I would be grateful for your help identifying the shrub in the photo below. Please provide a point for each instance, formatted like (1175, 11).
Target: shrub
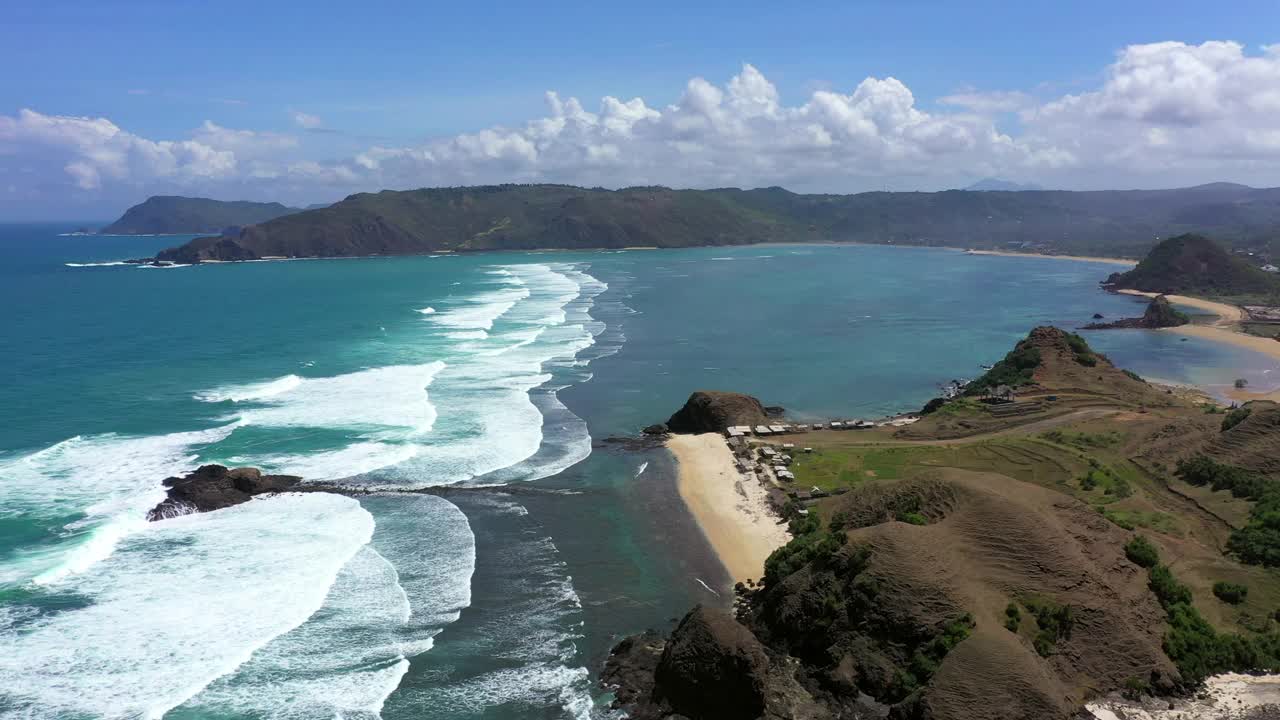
(1054, 622)
(1228, 592)
(1235, 417)
(914, 518)
(1241, 383)
(1141, 552)
(1133, 375)
(1012, 617)
(1168, 590)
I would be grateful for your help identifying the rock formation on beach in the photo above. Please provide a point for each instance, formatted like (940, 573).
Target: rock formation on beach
(1159, 314)
(713, 411)
(213, 487)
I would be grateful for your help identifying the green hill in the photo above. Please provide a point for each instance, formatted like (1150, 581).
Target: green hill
(173, 214)
(1118, 223)
(1195, 265)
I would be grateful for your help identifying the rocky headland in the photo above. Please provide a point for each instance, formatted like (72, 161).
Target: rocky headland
(713, 411)
(1159, 314)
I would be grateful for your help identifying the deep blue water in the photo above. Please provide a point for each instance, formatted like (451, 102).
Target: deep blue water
(403, 373)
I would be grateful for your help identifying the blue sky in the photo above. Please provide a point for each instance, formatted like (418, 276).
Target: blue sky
(337, 81)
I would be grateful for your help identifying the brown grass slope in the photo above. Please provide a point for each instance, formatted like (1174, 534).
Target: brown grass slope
(991, 541)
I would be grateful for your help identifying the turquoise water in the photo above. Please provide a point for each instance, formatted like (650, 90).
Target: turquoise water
(502, 373)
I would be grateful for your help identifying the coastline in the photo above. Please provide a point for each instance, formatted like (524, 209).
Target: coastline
(732, 511)
(1077, 258)
(1224, 330)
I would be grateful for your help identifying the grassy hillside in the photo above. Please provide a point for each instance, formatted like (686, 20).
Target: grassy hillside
(1122, 223)
(1195, 265)
(172, 214)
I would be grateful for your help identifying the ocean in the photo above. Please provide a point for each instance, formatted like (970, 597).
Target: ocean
(496, 380)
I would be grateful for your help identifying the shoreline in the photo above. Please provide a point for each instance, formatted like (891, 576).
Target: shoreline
(1077, 258)
(732, 511)
(1224, 330)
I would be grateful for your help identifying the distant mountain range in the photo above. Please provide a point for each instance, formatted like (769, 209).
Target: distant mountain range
(996, 184)
(174, 214)
(515, 217)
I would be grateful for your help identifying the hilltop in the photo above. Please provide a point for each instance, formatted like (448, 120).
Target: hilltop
(1011, 555)
(1192, 264)
(513, 217)
(174, 214)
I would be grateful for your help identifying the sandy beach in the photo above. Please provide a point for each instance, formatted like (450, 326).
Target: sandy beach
(1079, 258)
(732, 511)
(1223, 330)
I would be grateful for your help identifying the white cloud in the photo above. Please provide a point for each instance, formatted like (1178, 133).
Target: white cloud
(1164, 113)
(307, 121)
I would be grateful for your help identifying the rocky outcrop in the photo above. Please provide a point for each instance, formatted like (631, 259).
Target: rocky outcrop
(213, 487)
(711, 668)
(713, 411)
(1159, 314)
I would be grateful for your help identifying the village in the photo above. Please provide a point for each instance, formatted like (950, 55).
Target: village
(764, 453)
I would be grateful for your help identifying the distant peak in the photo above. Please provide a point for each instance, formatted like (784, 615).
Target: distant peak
(996, 184)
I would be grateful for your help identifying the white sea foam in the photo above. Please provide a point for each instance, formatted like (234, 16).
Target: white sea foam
(640, 470)
(392, 397)
(480, 312)
(426, 311)
(255, 391)
(95, 489)
(180, 604)
(355, 459)
(113, 263)
(385, 607)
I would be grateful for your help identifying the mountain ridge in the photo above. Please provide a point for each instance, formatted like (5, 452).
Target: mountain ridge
(178, 214)
(547, 216)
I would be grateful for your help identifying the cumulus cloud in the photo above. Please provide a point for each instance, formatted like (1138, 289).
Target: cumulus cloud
(1172, 106)
(1164, 112)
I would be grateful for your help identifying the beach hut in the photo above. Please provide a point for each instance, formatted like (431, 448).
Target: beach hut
(733, 432)
(837, 425)
(762, 430)
(768, 451)
(788, 446)
(777, 428)
(802, 428)
(808, 450)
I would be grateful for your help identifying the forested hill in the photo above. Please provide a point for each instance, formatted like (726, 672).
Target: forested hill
(174, 214)
(1195, 265)
(1122, 223)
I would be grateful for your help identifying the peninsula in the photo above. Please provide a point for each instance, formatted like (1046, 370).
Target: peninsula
(1062, 539)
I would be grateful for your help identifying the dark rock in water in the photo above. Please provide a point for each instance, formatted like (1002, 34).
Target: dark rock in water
(774, 410)
(629, 670)
(658, 429)
(213, 487)
(1159, 314)
(712, 411)
(1097, 316)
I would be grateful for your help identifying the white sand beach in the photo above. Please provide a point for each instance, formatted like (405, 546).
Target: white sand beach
(1078, 258)
(732, 511)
